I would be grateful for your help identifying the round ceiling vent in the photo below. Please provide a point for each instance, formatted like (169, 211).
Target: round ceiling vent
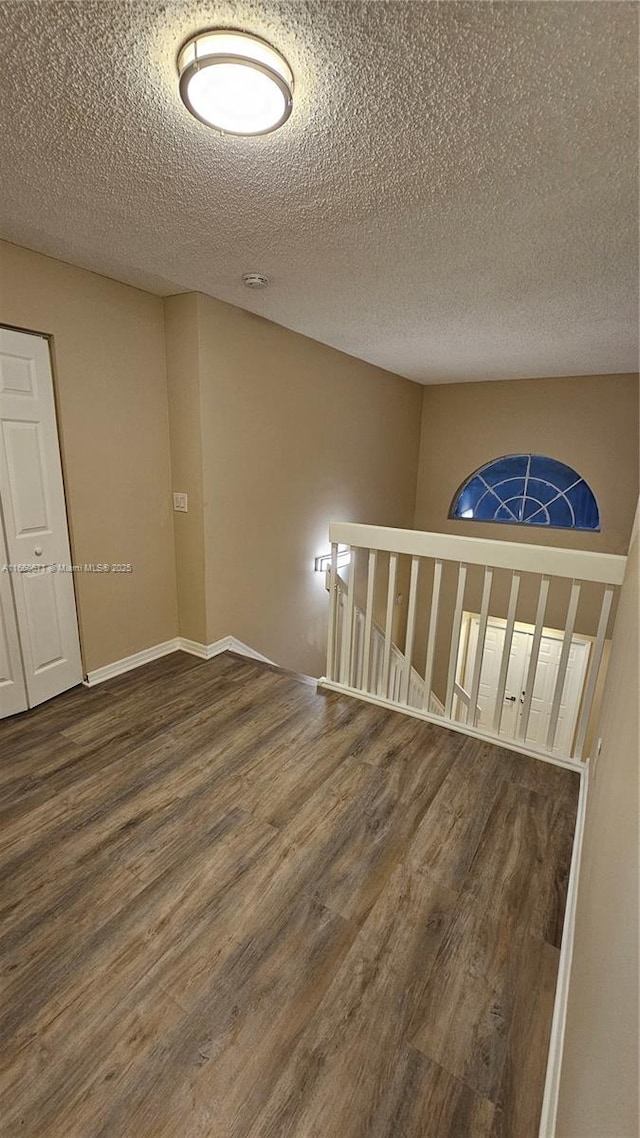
(255, 280)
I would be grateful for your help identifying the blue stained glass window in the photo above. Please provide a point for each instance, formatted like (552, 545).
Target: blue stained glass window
(530, 490)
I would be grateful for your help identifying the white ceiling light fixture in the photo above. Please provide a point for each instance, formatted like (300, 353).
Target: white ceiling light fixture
(235, 82)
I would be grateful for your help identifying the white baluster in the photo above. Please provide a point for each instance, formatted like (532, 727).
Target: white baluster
(472, 707)
(411, 627)
(562, 666)
(431, 638)
(506, 651)
(347, 625)
(455, 638)
(375, 665)
(368, 620)
(388, 627)
(333, 613)
(533, 661)
(356, 660)
(594, 668)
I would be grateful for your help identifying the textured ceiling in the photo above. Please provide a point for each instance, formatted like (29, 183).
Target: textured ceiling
(454, 196)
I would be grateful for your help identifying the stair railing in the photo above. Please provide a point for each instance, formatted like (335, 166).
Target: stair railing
(397, 658)
(363, 659)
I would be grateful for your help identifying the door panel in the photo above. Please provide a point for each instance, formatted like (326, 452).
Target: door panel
(26, 477)
(47, 646)
(544, 688)
(32, 495)
(13, 692)
(17, 374)
(490, 672)
(544, 683)
(518, 662)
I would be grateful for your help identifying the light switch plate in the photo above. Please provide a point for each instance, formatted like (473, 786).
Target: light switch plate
(180, 502)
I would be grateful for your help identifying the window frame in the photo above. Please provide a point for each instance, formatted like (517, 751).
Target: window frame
(583, 510)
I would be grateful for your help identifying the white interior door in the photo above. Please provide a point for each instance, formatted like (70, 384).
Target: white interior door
(490, 672)
(544, 687)
(35, 521)
(544, 684)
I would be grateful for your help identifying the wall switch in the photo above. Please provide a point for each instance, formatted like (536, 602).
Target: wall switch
(180, 502)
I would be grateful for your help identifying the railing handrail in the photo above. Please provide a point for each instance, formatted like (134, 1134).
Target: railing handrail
(577, 564)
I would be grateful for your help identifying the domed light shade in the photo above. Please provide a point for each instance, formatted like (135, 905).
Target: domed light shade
(235, 82)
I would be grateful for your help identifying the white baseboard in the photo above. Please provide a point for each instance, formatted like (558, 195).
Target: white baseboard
(196, 649)
(226, 644)
(179, 644)
(551, 1097)
(108, 671)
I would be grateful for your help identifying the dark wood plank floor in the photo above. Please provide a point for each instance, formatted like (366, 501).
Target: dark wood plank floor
(236, 907)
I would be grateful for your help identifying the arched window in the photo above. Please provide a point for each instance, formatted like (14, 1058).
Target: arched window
(529, 490)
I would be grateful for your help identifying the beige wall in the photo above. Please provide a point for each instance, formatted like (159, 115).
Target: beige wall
(599, 1086)
(589, 422)
(183, 380)
(295, 435)
(109, 375)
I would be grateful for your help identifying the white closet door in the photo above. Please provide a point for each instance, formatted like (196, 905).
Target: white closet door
(544, 687)
(491, 660)
(13, 693)
(33, 506)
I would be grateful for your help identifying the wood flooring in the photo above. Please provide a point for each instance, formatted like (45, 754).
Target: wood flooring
(232, 906)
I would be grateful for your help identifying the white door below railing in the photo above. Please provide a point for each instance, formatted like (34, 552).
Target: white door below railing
(363, 659)
(515, 692)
